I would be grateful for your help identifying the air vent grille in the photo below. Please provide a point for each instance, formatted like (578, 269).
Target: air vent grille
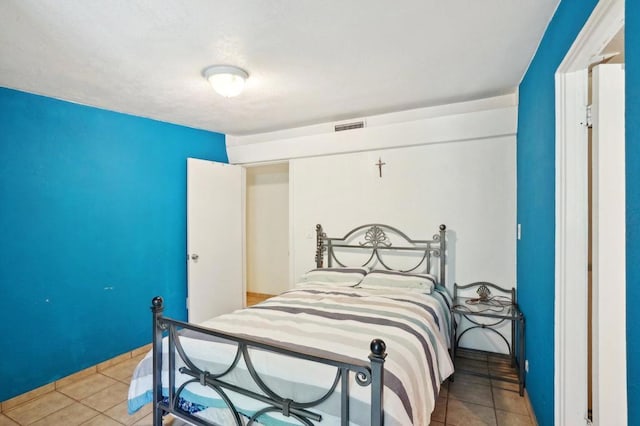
(349, 126)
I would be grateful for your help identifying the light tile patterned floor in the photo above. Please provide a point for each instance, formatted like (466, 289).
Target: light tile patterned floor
(98, 398)
(472, 400)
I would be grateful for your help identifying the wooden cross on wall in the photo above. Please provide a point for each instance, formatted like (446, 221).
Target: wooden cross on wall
(380, 164)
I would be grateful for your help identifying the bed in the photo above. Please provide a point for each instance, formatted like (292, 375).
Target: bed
(316, 354)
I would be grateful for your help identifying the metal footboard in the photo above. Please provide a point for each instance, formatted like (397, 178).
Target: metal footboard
(366, 374)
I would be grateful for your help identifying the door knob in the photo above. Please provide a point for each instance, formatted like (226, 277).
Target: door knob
(194, 257)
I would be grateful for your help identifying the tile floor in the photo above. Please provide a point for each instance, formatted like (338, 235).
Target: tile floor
(98, 397)
(472, 400)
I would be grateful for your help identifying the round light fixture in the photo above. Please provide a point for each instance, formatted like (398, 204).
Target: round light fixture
(227, 80)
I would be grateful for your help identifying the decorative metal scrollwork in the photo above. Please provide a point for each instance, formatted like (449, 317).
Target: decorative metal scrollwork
(375, 237)
(483, 292)
(320, 248)
(174, 402)
(363, 378)
(163, 325)
(275, 402)
(377, 245)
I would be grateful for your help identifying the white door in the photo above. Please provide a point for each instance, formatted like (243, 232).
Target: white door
(215, 238)
(609, 285)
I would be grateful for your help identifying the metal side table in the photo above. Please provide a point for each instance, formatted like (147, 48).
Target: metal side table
(491, 308)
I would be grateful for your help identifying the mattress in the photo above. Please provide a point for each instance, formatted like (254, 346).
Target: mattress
(322, 320)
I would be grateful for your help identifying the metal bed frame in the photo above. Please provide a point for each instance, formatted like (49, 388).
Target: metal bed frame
(366, 373)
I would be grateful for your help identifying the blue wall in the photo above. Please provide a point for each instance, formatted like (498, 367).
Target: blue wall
(92, 225)
(536, 200)
(632, 120)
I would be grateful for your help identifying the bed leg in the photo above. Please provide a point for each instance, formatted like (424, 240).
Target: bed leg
(157, 308)
(377, 356)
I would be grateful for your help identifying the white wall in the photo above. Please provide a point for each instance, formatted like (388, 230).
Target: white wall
(469, 186)
(268, 228)
(452, 164)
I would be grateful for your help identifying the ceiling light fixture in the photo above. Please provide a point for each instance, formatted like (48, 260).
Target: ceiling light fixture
(227, 80)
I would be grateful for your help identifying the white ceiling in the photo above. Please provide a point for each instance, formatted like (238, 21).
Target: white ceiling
(309, 62)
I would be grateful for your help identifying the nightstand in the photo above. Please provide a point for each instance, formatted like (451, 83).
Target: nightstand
(491, 307)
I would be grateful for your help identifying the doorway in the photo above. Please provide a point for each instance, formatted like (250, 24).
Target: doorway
(267, 237)
(605, 355)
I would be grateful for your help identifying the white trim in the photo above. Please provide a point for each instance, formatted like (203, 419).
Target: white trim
(571, 205)
(380, 119)
(292, 228)
(609, 260)
(605, 21)
(476, 125)
(571, 250)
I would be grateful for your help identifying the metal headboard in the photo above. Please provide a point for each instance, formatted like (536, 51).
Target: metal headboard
(376, 241)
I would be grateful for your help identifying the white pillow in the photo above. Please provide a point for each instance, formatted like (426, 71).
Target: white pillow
(345, 277)
(396, 279)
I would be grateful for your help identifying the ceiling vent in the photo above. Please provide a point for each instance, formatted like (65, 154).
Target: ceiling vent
(349, 126)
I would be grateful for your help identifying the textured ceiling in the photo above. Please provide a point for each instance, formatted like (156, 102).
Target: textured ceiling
(309, 62)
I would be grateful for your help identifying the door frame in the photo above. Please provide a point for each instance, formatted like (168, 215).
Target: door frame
(571, 244)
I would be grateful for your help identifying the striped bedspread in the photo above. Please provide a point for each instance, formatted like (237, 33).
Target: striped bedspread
(324, 319)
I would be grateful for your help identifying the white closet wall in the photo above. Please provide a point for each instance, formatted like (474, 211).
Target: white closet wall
(268, 228)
